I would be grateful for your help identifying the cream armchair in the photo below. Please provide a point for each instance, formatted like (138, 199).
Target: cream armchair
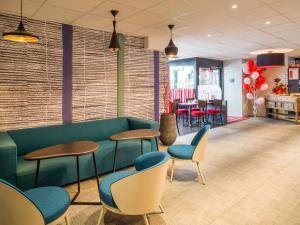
(135, 192)
(38, 206)
(191, 153)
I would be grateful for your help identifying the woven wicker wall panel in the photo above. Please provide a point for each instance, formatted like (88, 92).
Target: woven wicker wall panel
(163, 72)
(30, 76)
(139, 79)
(94, 76)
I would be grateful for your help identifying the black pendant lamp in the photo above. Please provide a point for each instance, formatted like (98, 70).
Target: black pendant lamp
(171, 50)
(20, 34)
(270, 60)
(114, 45)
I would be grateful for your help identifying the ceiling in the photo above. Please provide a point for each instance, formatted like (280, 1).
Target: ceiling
(203, 28)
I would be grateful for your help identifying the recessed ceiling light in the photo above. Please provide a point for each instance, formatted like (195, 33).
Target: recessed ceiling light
(234, 6)
(273, 50)
(268, 22)
(209, 35)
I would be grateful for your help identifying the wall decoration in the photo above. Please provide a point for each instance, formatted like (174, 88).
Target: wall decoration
(279, 88)
(254, 83)
(293, 73)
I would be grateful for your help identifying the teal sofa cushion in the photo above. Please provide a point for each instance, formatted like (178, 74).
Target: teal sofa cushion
(181, 151)
(61, 171)
(52, 202)
(105, 192)
(28, 140)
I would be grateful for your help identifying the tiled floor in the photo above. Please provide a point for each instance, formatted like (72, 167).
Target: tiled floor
(252, 170)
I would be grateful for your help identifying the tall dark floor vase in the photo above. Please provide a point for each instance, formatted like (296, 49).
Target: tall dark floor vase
(167, 128)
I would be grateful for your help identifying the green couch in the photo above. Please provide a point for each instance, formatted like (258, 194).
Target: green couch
(15, 144)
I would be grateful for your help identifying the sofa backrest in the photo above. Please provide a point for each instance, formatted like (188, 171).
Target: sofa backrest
(28, 140)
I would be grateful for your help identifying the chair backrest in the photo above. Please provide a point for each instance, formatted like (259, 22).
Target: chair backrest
(141, 193)
(202, 104)
(189, 100)
(218, 103)
(177, 100)
(16, 208)
(200, 141)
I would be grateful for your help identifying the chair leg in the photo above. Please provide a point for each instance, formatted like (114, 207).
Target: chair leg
(200, 174)
(172, 170)
(101, 216)
(146, 220)
(161, 208)
(67, 221)
(177, 125)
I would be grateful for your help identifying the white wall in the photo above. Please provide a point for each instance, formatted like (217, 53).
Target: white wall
(233, 92)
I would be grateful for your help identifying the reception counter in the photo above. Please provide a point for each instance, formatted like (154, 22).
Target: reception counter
(285, 107)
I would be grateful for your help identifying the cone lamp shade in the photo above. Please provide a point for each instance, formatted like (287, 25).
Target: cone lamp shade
(270, 60)
(20, 34)
(171, 50)
(114, 45)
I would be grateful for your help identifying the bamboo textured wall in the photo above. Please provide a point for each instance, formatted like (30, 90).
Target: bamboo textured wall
(139, 79)
(30, 76)
(163, 72)
(94, 76)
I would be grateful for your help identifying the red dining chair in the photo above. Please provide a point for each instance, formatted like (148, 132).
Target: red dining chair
(216, 111)
(199, 114)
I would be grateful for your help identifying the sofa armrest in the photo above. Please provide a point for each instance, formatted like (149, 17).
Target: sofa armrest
(136, 123)
(8, 158)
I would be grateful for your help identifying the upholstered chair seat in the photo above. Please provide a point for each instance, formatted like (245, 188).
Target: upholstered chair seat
(38, 206)
(51, 201)
(181, 151)
(191, 153)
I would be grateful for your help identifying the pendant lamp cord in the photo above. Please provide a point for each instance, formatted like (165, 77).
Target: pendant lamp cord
(21, 10)
(114, 23)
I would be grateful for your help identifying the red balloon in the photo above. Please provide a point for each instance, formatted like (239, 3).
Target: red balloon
(247, 87)
(260, 81)
(260, 70)
(251, 65)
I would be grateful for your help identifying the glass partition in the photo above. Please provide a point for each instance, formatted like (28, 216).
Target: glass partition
(209, 87)
(182, 77)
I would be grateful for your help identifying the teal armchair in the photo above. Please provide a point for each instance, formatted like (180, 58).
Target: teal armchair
(38, 206)
(191, 153)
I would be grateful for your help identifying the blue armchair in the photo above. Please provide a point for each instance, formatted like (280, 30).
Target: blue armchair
(38, 206)
(191, 153)
(135, 192)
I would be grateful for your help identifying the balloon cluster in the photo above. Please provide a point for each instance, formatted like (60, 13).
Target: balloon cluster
(254, 81)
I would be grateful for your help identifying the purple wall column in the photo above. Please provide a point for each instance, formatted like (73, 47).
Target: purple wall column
(67, 34)
(156, 85)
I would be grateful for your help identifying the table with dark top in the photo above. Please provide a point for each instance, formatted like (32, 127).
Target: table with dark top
(131, 135)
(76, 149)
